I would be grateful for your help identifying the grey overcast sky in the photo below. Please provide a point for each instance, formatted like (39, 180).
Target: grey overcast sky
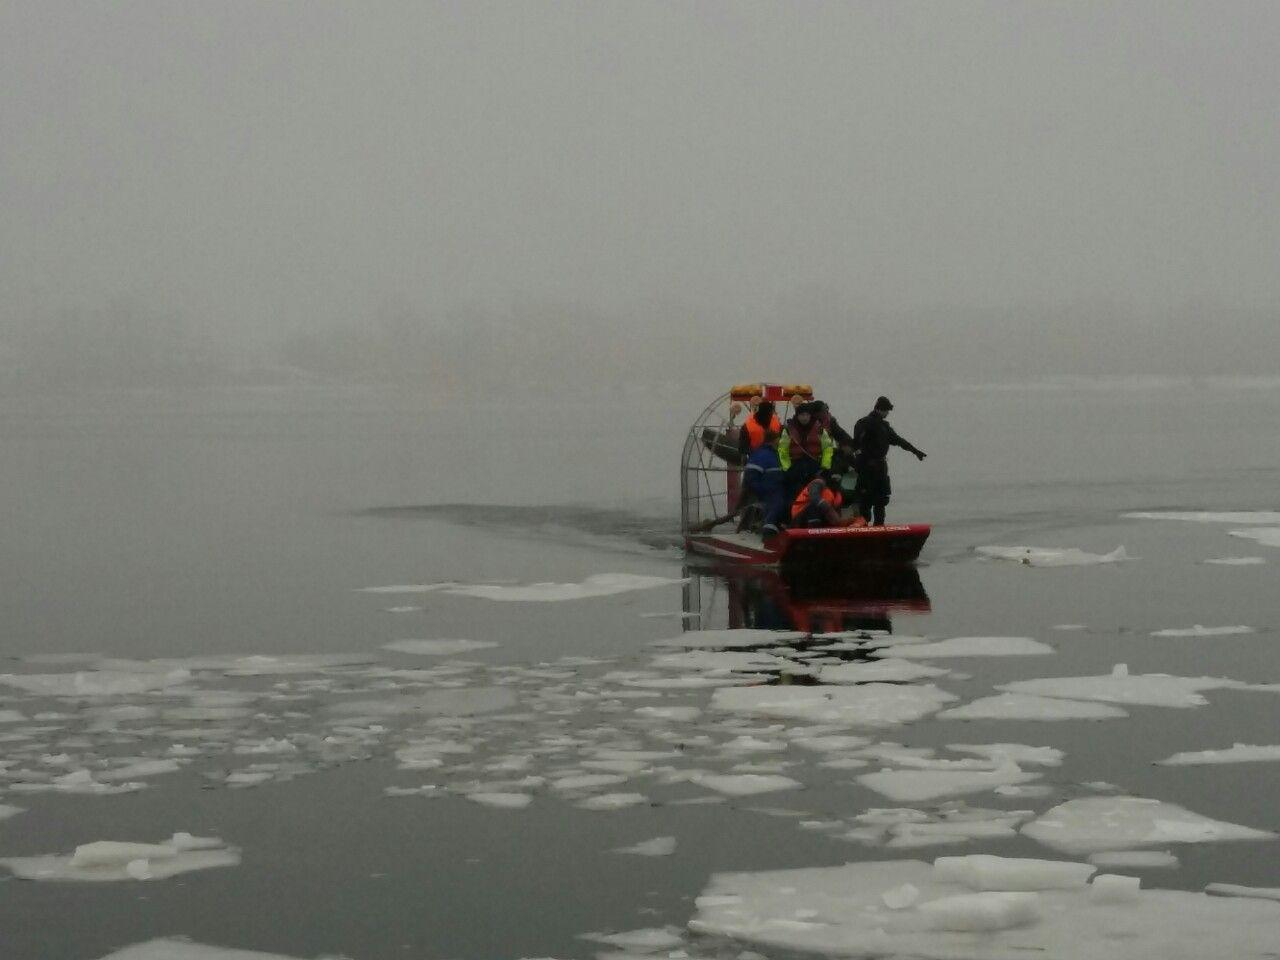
(944, 171)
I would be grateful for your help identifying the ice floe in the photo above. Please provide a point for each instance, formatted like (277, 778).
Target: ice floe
(1236, 753)
(1267, 536)
(657, 847)
(1259, 517)
(1134, 859)
(910, 908)
(746, 784)
(1236, 890)
(175, 949)
(889, 670)
(504, 801)
(1053, 556)
(872, 705)
(94, 683)
(1021, 706)
(731, 639)
(1237, 561)
(913, 786)
(596, 585)
(1093, 824)
(437, 648)
(105, 860)
(1120, 686)
(974, 647)
(1017, 752)
(1202, 631)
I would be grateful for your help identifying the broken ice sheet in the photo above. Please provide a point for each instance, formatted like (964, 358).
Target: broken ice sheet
(437, 648)
(1052, 556)
(175, 949)
(974, 647)
(889, 670)
(730, 639)
(1093, 824)
(913, 786)
(1237, 561)
(596, 585)
(107, 860)
(1258, 517)
(1236, 753)
(746, 784)
(873, 704)
(1202, 631)
(1120, 686)
(844, 911)
(1134, 859)
(1267, 536)
(1020, 706)
(657, 847)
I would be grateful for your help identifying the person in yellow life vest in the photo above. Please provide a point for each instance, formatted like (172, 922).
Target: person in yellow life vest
(754, 428)
(805, 448)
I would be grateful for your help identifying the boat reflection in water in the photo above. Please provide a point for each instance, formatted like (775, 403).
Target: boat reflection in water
(732, 596)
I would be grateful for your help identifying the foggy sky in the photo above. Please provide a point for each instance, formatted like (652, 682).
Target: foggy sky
(640, 189)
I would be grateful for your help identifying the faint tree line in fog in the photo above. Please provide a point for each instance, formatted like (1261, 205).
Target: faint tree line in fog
(545, 348)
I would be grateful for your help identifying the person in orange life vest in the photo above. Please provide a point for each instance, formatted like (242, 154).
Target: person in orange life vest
(818, 505)
(805, 448)
(762, 419)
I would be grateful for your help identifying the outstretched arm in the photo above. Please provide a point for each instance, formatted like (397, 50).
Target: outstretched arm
(905, 444)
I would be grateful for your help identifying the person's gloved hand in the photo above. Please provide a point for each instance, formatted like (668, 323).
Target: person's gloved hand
(920, 454)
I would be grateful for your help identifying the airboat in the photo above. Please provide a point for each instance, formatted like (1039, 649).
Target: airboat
(711, 491)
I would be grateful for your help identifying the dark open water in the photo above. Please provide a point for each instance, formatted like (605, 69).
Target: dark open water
(158, 526)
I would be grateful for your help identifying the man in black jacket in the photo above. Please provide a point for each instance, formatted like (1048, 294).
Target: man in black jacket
(872, 438)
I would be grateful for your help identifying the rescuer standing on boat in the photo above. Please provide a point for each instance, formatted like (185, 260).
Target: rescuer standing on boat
(872, 438)
(805, 448)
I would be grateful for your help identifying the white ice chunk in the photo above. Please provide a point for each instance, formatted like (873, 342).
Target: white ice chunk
(981, 912)
(730, 639)
(1019, 706)
(657, 847)
(586, 781)
(841, 911)
(186, 950)
(505, 801)
(106, 860)
(1114, 888)
(94, 683)
(642, 941)
(612, 801)
(891, 670)
(1259, 517)
(746, 784)
(7, 811)
(985, 872)
(1267, 536)
(1134, 859)
(1235, 890)
(1090, 824)
(974, 647)
(872, 705)
(719, 660)
(909, 786)
(1017, 752)
(677, 714)
(1202, 631)
(1053, 556)
(1237, 561)
(899, 898)
(1237, 753)
(437, 648)
(1147, 689)
(597, 585)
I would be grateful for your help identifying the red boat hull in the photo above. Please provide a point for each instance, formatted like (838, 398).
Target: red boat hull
(899, 543)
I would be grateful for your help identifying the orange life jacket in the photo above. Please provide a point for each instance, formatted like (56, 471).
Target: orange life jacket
(755, 432)
(832, 497)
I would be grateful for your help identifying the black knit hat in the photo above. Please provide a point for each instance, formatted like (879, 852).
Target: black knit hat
(882, 403)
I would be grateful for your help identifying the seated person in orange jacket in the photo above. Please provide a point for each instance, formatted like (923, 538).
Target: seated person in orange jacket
(818, 505)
